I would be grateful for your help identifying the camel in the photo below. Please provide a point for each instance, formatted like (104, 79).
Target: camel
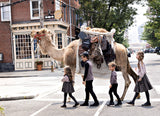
(68, 55)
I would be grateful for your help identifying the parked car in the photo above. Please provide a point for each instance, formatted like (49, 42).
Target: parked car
(157, 49)
(146, 50)
(151, 50)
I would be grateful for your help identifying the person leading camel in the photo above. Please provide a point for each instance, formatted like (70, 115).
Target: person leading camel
(87, 80)
(143, 84)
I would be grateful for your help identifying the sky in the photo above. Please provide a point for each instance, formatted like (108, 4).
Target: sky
(140, 19)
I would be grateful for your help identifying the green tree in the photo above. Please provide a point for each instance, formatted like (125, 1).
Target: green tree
(108, 14)
(152, 27)
(2, 111)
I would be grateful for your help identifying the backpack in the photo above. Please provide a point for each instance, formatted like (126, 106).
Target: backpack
(86, 44)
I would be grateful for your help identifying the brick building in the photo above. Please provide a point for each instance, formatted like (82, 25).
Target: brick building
(17, 51)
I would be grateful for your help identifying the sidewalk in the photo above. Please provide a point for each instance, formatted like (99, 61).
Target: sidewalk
(28, 84)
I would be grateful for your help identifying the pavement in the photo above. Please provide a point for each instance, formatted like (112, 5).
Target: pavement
(18, 84)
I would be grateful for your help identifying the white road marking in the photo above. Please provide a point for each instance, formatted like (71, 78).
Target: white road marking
(34, 114)
(100, 109)
(101, 89)
(96, 114)
(141, 100)
(47, 93)
(157, 88)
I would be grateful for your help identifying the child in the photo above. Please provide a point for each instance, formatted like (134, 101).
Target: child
(88, 80)
(142, 84)
(68, 86)
(114, 84)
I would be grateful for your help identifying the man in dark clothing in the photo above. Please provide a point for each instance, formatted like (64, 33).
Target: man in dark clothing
(87, 80)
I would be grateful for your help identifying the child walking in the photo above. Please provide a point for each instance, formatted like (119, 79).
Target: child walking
(113, 85)
(68, 86)
(143, 84)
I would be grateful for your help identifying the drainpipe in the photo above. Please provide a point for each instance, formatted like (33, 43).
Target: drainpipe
(41, 14)
(70, 19)
(12, 44)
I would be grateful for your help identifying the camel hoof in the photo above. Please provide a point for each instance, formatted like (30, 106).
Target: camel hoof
(121, 99)
(138, 97)
(69, 99)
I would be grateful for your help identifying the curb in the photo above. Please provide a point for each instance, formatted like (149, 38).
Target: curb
(17, 97)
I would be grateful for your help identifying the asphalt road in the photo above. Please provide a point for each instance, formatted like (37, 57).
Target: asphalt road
(48, 104)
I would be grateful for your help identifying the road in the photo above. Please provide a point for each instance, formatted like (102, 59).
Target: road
(48, 104)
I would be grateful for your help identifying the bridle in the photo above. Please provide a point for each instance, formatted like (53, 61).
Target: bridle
(37, 36)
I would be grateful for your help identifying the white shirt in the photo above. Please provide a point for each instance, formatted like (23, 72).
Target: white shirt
(142, 70)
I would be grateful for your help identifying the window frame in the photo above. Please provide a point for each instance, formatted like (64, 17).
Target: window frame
(59, 40)
(2, 18)
(31, 10)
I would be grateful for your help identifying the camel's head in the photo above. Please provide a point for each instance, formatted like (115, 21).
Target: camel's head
(43, 38)
(42, 35)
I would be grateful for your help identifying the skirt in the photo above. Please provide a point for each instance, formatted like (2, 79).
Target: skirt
(67, 87)
(143, 85)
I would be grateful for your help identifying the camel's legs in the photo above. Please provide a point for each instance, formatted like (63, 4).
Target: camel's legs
(73, 74)
(134, 76)
(127, 83)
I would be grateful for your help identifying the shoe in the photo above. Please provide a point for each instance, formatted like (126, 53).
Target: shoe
(76, 104)
(110, 103)
(131, 103)
(63, 106)
(119, 103)
(84, 104)
(95, 104)
(146, 104)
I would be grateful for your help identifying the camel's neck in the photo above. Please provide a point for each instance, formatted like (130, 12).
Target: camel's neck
(55, 53)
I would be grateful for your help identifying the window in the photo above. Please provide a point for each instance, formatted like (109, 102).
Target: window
(23, 46)
(5, 12)
(35, 9)
(36, 50)
(59, 35)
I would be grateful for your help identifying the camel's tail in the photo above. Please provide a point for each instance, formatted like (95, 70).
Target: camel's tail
(131, 72)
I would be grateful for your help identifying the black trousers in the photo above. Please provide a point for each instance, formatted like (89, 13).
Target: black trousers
(113, 89)
(89, 89)
(147, 96)
(70, 95)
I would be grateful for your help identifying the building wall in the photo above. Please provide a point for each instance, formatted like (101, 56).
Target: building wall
(21, 13)
(5, 40)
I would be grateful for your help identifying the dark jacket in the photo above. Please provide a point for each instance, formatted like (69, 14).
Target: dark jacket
(88, 75)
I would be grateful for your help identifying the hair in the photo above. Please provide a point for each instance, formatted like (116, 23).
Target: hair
(113, 64)
(141, 57)
(85, 56)
(68, 72)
